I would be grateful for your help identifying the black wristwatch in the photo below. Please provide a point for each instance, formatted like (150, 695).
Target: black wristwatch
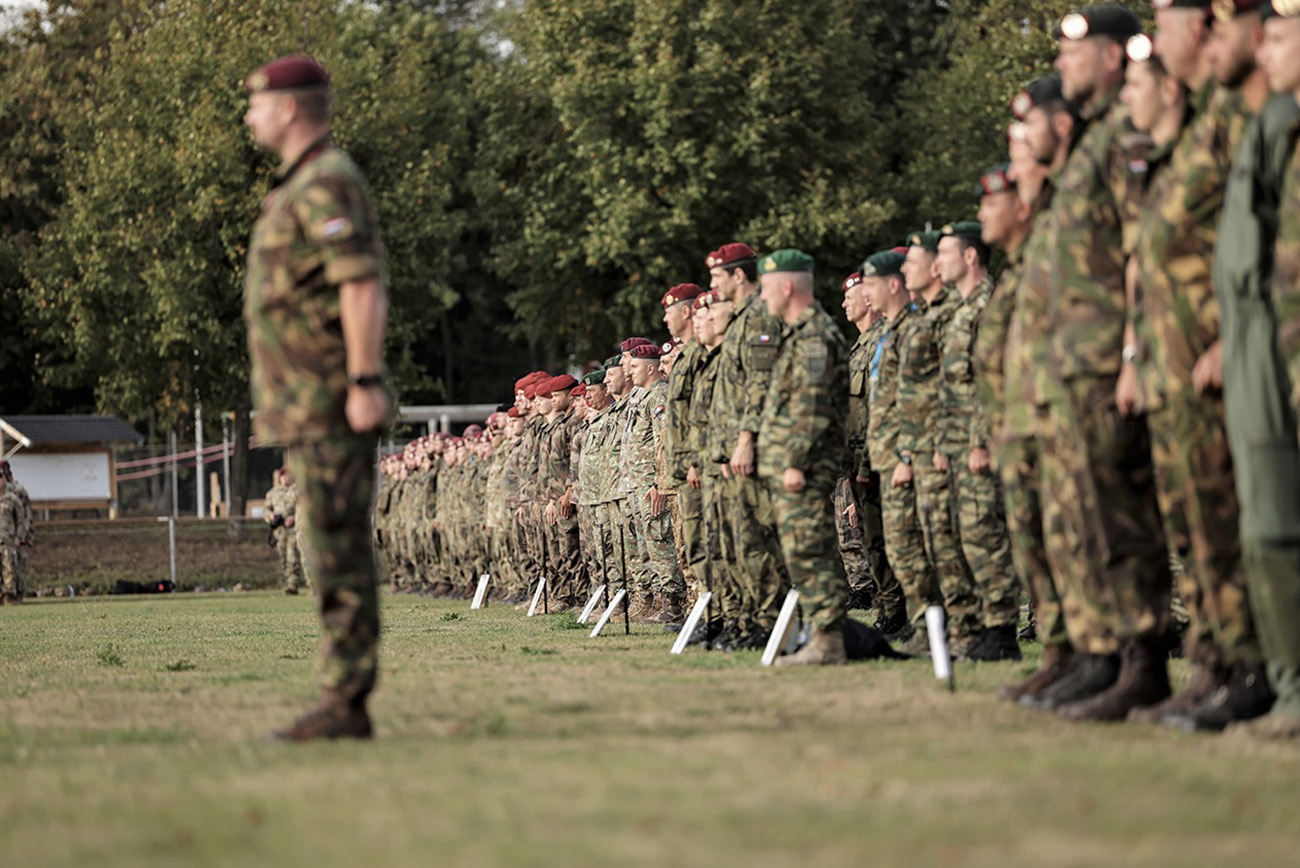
(906, 459)
(365, 381)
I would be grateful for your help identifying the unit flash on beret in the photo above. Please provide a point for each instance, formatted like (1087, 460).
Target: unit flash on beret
(1161, 4)
(1140, 47)
(1021, 104)
(1286, 8)
(994, 183)
(257, 82)
(868, 270)
(769, 264)
(1074, 26)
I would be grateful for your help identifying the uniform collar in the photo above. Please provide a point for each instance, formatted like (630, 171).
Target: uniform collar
(314, 150)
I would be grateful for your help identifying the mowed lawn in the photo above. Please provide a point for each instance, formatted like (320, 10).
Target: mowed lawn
(131, 733)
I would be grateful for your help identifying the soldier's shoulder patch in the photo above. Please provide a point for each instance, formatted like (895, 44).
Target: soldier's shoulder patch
(658, 410)
(816, 357)
(334, 227)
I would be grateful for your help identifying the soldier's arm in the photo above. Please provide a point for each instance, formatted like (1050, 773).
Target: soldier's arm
(760, 344)
(809, 402)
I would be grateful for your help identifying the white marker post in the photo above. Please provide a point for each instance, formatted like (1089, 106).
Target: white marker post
(781, 632)
(591, 605)
(537, 596)
(939, 646)
(480, 596)
(609, 613)
(692, 621)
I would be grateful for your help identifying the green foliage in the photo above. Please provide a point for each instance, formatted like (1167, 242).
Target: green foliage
(181, 665)
(109, 655)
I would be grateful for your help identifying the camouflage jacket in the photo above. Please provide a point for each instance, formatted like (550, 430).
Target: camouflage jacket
(627, 409)
(702, 453)
(883, 424)
(591, 483)
(858, 420)
(991, 333)
(807, 401)
(745, 360)
(677, 422)
(962, 423)
(1095, 210)
(11, 516)
(317, 230)
(919, 381)
(1286, 275)
(645, 420)
(1029, 342)
(530, 463)
(1177, 317)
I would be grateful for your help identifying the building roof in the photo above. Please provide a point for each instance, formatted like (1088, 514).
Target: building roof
(74, 429)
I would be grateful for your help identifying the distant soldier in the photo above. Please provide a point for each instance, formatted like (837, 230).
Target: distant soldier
(13, 555)
(281, 514)
(801, 446)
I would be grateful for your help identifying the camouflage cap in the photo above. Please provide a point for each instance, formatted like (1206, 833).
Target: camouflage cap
(970, 229)
(1107, 20)
(787, 259)
(296, 70)
(883, 263)
(926, 240)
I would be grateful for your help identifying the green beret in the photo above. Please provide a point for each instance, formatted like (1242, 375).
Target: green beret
(594, 378)
(965, 229)
(928, 240)
(882, 264)
(785, 260)
(1109, 20)
(614, 362)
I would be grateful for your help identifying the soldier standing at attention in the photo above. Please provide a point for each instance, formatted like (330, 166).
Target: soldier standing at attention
(316, 305)
(281, 514)
(857, 493)
(963, 442)
(745, 363)
(13, 560)
(801, 449)
(684, 501)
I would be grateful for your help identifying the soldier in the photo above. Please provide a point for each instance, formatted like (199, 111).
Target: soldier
(745, 363)
(316, 258)
(561, 518)
(857, 492)
(964, 440)
(655, 521)
(280, 514)
(920, 458)
(801, 447)
(1105, 541)
(13, 555)
(684, 498)
(904, 538)
(1257, 329)
(1177, 324)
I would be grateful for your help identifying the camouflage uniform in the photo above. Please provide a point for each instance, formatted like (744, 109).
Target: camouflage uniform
(981, 519)
(13, 555)
(917, 405)
(383, 526)
(316, 231)
(803, 428)
(1177, 322)
(281, 502)
(679, 458)
(862, 542)
(564, 557)
(1105, 541)
(745, 360)
(904, 538)
(719, 568)
(654, 533)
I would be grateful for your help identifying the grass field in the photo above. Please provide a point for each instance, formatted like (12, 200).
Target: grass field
(131, 734)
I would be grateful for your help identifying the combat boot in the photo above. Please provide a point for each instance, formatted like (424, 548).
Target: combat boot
(1087, 676)
(1208, 674)
(960, 646)
(825, 648)
(891, 625)
(995, 643)
(1143, 680)
(917, 644)
(671, 615)
(332, 717)
(291, 591)
(1246, 696)
(1055, 663)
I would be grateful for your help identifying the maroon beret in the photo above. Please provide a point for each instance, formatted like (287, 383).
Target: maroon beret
(296, 70)
(730, 254)
(704, 299)
(627, 345)
(646, 351)
(579, 390)
(852, 280)
(680, 292)
(558, 384)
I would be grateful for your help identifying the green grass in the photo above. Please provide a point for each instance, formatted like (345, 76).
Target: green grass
(503, 740)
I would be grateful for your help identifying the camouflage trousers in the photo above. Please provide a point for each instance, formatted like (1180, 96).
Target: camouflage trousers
(1101, 524)
(336, 481)
(905, 546)
(593, 564)
(749, 530)
(936, 500)
(565, 576)
(13, 569)
(505, 580)
(805, 522)
(1197, 492)
(689, 590)
(719, 570)
(690, 506)
(862, 543)
(1019, 465)
(640, 576)
(1274, 571)
(290, 554)
(612, 543)
(986, 545)
(658, 548)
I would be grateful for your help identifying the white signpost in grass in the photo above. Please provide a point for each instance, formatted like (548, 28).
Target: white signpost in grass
(591, 605)
(480, 596)
(692, 621)
(939, 646)
(781, 632)
(537, 596)
(609, 613)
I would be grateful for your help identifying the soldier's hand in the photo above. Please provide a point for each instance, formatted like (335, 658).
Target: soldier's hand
(1207, 375)
(979, 461)
(902, 476)
(657, 502)
(726, 470)
(551, 513)
(793, 479)
(940, 462)
(1126, 390)
(366, 409)
(692, 477)
(851, 513)
(742, 457)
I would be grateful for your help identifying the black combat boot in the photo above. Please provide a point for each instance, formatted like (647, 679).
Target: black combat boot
(1088, 675)
(1143, 680)
(1245, 696)
(995, 643)
(1056, 663)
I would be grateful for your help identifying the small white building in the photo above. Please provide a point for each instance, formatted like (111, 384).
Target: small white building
(66, 462)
